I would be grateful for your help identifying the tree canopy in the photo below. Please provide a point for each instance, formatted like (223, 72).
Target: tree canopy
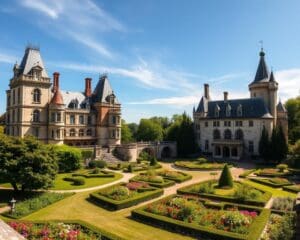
(126, 134)
(293, 107)
(149, 130)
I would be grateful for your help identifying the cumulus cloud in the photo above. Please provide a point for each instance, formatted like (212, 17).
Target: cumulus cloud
(7, 58)
(289, 83)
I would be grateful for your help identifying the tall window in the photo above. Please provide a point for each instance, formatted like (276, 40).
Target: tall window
(72, 119)
(53, 117)
(239, 111)
(251, 147)
(217, 111)
(37, 95)
(8, 100)
(206, 124)
(114, 120)
(58, 117)
(227, 123)
(250, 123)
(227, 134)
(14, 96)
(239, 135)
(81, 132)
(228, 110)
(81, 119)
(216, 134)
(19, 95)
(36, 116)
(89, 120)
(238, 123)
(206, 145)
(72, 132)
(89, 132)
(36, 132)
(216, 123)
(13, 116)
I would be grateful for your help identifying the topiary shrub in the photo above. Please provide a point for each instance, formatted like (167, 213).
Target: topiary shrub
(78, 181)
(153, 161)
(225, 180)
(96, 171)
(130, 168)
(68, 158)
(282, 167)
(97, 164)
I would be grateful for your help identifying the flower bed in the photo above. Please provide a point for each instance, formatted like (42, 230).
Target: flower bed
(153, 179)
(283, 204)
(275, 182)
(69, 230)
(125, 195)
(189, 215)
(292, 188)
(175, 176)
(242, 193)
(271, 172)
(198, 165)
(39, 201)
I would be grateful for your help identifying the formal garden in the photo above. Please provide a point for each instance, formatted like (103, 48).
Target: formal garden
(200, 164)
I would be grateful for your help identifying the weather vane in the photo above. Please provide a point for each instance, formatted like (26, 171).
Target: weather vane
(261, 42)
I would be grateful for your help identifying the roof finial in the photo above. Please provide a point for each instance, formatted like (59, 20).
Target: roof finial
(262, 53)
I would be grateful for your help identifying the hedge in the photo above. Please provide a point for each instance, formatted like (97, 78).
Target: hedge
(77, 181)
(105, 235)
(116, 205)
(265, 198)
(166, 183)
(269, 183)
(292, 188)
(184, 177)
(247, 173)
(198, 231)
(177, 164)
(143, 168)
(102, 174)
(277, 174)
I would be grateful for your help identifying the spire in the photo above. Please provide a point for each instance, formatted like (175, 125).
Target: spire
(280, 107)
(262, 73)
(57, 98)
(272, 78)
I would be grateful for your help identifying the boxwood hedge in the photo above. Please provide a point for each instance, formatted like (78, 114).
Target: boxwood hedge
(184, 177)
(269, 183)
(292, 188)
(166, 183)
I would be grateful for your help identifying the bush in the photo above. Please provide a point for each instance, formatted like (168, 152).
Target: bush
(283, 204)
(68, 158)
(153, 161)
(130, 168)
(207, 188)
(87, 154)
(247, 173)
(202, 160)
(292, 188)
(245, 192)
(96, 171)
(282, 167)
(225, 180)
(77, 181)
(97, 164)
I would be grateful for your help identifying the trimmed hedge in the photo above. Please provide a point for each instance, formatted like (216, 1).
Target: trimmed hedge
(104, 235)
(292, 188)
(102, 174)
(166, 183)
(198, 231)
(181, 164)
(247, 173)
(275, 174)
(265, 198)
(269, 183)
(181, 179)
(77, 181)
(116, 205)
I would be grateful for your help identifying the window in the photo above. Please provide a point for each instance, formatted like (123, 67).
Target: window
(251, 123)
(72, 132)
(217, 111)
(112, 134)
(53, 117)
(52, 134)
(239, 135)
(36, 95)
(254, 94)
(234, 152)
(19, 95)
(197, 126)
(238, 123)
(8, 100)
(58, 117)
(14, 96)
(228, 110)
(114, 120)
(72, 119)
(73, 104)
(206, 124)
(58, 133)
(36, 116)
(18, 115)
(36, 132)
(251, 146)
(217, 151)
(8, 118)
(216, 123)
(239, 111)
(227, 123)
(216, 134)
(81, 132)
(89, 132)
(81, 119)
(13, 116)
(206, 145)
(89, 120)
(227, 134)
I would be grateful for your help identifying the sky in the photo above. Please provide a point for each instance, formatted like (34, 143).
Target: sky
(157, 54)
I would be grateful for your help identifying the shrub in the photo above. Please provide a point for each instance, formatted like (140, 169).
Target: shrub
(283, 204)
(130, 168)
(96, 171)
(207, 188)
(87, 154)
(225, 180)
(68, 158)
(202, 160)
(153, 161)
(245, 192)
(282, 167)
(78, 181)
(97, 164)
(117, 193)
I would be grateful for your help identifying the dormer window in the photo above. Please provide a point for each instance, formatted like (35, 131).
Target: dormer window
(111, 98)
(217, 111)
(73, 104)
(239, 110)
(228, 110)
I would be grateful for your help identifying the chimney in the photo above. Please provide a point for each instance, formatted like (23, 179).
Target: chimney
(206, 91)
(88, 88)
(225, 96)
(55, 82)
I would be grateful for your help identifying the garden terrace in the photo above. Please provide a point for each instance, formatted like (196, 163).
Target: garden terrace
(275, 182)
(78, 230)
(199, 165)
(240, 193)
(124, 195)
(188, 215)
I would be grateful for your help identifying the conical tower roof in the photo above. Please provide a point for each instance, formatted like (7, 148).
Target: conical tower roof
(262, 72)
(57, 98)
(103, 90)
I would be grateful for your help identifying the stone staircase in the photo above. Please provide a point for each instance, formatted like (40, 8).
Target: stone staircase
(108, 156)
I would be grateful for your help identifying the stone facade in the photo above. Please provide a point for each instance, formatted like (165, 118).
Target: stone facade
(38, 107)
(231, 128)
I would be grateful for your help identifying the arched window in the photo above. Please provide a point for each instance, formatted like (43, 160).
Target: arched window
(81, 132)
(216, 134)
(37, 95)
(72, 132)
(217, 110)
(234, 152)
(89, 132)
(228, 110)
(227, 134)
(36, 116)
(217, 151)
(239, 110)
(239, 135)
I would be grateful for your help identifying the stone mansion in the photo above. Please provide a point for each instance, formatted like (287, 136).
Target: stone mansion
(231, 128)
(38, 107)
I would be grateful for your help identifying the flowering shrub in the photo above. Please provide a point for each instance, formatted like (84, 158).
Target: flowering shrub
(117, 193)
(133, 186)
(283, 203)
(245, 192)
(191, 210)
(49, 231)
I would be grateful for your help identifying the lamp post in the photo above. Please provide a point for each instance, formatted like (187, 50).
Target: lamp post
(12, 205)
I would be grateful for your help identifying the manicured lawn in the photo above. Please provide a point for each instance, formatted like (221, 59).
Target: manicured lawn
(275, 192)
(61, 184)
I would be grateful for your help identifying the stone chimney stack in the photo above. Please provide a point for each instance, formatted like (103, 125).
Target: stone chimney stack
(55, 82)
(206, 91)
(225, 96)
(88, 88)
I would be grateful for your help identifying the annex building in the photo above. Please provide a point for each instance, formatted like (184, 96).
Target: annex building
(231, 128)
(37, 106)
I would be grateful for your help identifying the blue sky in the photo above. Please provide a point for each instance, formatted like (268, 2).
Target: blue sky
(158, 54)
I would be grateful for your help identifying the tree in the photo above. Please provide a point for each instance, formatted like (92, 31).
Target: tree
(278, 148)
(26, 163)
(264, 144)
(149, 131)
(133, 129)
(69, 158)
(225, 180)
(182, 131)
(295, 155)
(293, 107)
(126, 134)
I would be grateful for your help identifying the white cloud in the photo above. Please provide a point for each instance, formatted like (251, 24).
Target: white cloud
(6, 58)
(177, 101)
(289, 83)
(50, 8)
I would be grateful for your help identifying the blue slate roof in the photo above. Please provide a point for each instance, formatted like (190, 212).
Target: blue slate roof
(251, 108)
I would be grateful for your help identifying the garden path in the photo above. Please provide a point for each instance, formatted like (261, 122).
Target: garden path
(7, 233)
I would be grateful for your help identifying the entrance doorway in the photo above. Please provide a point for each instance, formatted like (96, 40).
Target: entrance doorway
(226, 152)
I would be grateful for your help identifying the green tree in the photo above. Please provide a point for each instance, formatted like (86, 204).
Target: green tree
(69, 158)
(149, 131)
(26, 163)
(295, 155)
(225, 180)
(126, 134)
(182, 131)
(278, 147)
(293, 107)
(133, 129)
(264, 144)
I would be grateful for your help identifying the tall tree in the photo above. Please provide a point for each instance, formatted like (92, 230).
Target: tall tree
(149, 131)
(126, 134)
(133, 129)
(264, 144)
(278, 147)
(293, 107)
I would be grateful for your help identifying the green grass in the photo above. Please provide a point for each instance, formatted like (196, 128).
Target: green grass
(60, 184)
(275, 192)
